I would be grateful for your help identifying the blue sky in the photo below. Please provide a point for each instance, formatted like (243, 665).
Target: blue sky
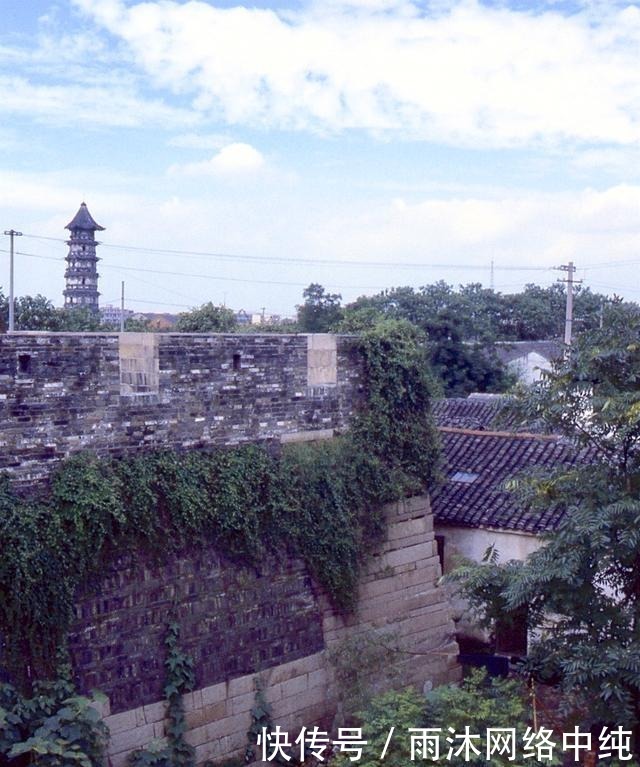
(238, 153)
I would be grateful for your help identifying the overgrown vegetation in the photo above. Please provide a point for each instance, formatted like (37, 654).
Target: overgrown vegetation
(320, 500)
(362, 664)
(582, 589)
(52, 728)
(173, 750)
(478, 703)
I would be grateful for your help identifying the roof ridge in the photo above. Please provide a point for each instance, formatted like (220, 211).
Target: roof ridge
(511, 434)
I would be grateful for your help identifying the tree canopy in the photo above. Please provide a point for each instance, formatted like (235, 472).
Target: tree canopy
(320, 312)
(39, 313)
(582, 588)
(207, 318)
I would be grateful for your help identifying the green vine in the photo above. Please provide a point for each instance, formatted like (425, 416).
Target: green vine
(180, 679)
(396, 423)
(174, 751)
(260, 720)
(322, 501)
(55, 727)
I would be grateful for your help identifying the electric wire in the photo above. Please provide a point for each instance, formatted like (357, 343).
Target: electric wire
(302, 261)
(252, 280)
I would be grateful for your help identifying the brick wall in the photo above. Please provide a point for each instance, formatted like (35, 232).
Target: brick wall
(233, 621)
(237, 622)
(64, 392)
(61, 393)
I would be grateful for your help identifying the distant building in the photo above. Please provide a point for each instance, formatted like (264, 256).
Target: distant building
(528, 359)
(163, 321)
(242, 317)
(256, 318)
(110, 315)
(81, 274)
(260, 318)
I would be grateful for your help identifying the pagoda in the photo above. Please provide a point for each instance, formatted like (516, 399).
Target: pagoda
(81, 273)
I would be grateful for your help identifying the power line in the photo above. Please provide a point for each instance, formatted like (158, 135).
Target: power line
(161, 287)
(622, 289)
(303, 261)
(611, 264)
(159, 303)
(251, 281)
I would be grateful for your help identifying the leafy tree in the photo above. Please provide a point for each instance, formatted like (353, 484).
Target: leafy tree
(38, 313)
(54, 728)
(449, 322)
(207, 318)
(463, 367)
(35, 313)
(477, 703)
(582, 589)
(80, 319)
(31, 313)
(320, 312)
(138, 324)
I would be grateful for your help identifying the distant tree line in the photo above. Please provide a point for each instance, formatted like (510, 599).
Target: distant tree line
(471, 312)
(460, 326)
(39, 313)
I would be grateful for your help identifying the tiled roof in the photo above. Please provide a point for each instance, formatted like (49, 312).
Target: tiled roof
(84, 220)
(474, 412)
(476, 465)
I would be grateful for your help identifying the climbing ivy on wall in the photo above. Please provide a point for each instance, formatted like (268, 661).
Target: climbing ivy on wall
(322, 501)
(396, 422)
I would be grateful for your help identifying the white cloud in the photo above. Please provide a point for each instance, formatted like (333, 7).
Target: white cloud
(526, 229)
(237, 158)
(522, 229)
(106, 105)
(622, 161)
(467, 74)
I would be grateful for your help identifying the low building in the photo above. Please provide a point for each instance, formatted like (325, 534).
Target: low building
(528, 359)
(110, 315)
(473, 507)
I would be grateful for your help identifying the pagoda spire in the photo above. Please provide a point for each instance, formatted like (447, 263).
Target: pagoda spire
(81, 274)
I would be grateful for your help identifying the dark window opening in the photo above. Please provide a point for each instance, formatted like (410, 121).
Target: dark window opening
(511, 632)
(236, 361)
(24, 363)
(440, 548)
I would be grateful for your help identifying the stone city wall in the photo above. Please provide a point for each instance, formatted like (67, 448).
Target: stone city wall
(61, 393)
(238, 623)
(65, 392)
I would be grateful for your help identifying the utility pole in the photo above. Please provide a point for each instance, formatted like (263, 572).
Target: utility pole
(570, 269)
(11, 233)
(122, 308)
(491, 280)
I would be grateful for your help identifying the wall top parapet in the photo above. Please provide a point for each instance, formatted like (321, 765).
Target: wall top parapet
(113, 393)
